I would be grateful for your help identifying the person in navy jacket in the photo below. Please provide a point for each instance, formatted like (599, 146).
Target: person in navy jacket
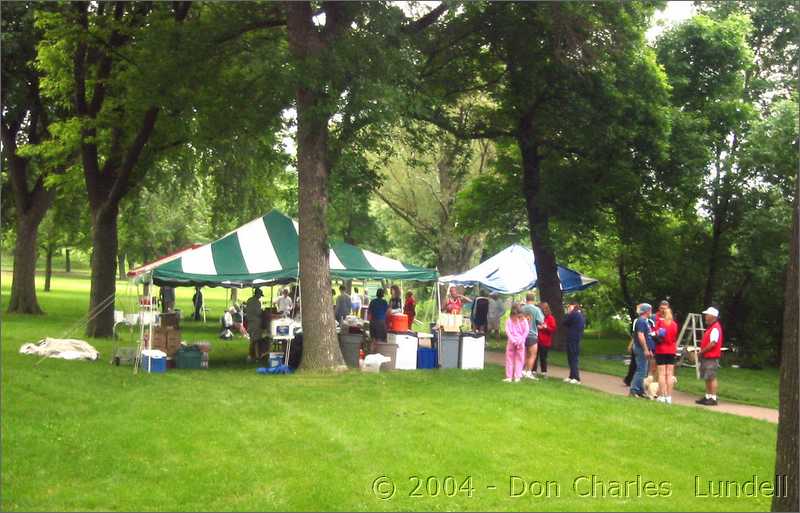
(574, 322)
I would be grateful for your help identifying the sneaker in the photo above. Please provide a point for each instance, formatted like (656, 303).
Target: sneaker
(703, 401)
(661, 399)
(637, 395)
(567, 380)
(543, 375)
(507, 380)
(574, 382)
(517, 380)
(525, 373)
(711, 402)
(530, 375)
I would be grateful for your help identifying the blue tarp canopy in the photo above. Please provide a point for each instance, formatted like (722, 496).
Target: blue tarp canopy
(512, 271)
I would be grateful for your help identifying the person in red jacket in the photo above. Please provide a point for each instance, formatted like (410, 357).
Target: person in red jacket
(667, 330)
(546, 330)
(710, 352)
(410, 308)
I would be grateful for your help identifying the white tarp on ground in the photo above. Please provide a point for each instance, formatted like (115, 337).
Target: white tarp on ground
(64, 348)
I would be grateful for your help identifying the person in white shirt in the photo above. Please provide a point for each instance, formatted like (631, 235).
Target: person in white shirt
(284, 303)
(230, 323)
(355, 302)
(364, 303)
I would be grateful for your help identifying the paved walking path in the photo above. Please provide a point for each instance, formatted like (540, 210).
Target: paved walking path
(614, 385)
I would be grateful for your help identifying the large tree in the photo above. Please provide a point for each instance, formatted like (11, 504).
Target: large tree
(787, 457)
(333, 76)
(552, 71)
(421, 185)
(140, 80)
(90, 56)
(708, 62)
(25, 119)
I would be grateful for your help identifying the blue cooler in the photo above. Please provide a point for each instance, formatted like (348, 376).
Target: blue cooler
(154, 364)
(426, 358)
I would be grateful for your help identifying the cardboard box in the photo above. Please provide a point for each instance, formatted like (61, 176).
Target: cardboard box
(170, 319)
(451, 322)
(166, 339)
(159, 341)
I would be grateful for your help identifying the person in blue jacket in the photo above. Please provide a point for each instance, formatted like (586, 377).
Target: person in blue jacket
(574, 322)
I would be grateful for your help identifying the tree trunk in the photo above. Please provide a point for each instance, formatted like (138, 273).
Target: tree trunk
(48, 269)
(67, 263)
(538, 223)
(23, 282)
(630, 305)
(788, 448)
(320, 345)
(713, 257)
(121, 265)
(104, 271)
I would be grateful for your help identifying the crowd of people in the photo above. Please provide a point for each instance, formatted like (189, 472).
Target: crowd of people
(654, 347)
(251, 319)
(529, 330)
(378, 309)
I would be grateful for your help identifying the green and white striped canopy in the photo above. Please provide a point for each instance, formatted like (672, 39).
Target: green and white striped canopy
(266, 250)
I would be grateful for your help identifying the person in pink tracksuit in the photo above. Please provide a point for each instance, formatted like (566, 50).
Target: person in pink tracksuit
(516, 330)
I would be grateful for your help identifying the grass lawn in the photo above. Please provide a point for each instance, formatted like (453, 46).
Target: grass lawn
(603, 354)
(91, 436)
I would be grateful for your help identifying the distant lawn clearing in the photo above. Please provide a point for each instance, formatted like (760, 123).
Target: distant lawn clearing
(91, 436)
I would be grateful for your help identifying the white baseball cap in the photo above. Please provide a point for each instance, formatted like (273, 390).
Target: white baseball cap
(711, 311)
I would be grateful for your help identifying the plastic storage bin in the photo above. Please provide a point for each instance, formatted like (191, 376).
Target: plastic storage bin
(449, 350)
(350, 344)
(189, 358)
(472, 351)
(406, 354)
(389, 350)
(426, 358)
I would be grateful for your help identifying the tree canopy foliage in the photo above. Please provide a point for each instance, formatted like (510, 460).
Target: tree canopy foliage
(435, 135)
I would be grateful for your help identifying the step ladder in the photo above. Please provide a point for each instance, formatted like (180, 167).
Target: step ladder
(693, 329)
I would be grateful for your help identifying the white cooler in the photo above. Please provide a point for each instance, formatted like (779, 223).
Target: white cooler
(472, 351)
(406, 357)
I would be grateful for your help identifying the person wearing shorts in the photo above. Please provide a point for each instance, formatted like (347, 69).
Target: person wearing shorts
(535, 318)
(710, 353)
(667, 330)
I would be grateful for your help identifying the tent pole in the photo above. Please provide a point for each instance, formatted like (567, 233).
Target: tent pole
(433, 303)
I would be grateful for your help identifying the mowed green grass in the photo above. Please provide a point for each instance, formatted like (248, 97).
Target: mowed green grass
(92, 436)
(600, 353)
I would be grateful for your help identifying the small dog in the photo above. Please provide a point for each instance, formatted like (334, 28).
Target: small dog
(651, 387)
